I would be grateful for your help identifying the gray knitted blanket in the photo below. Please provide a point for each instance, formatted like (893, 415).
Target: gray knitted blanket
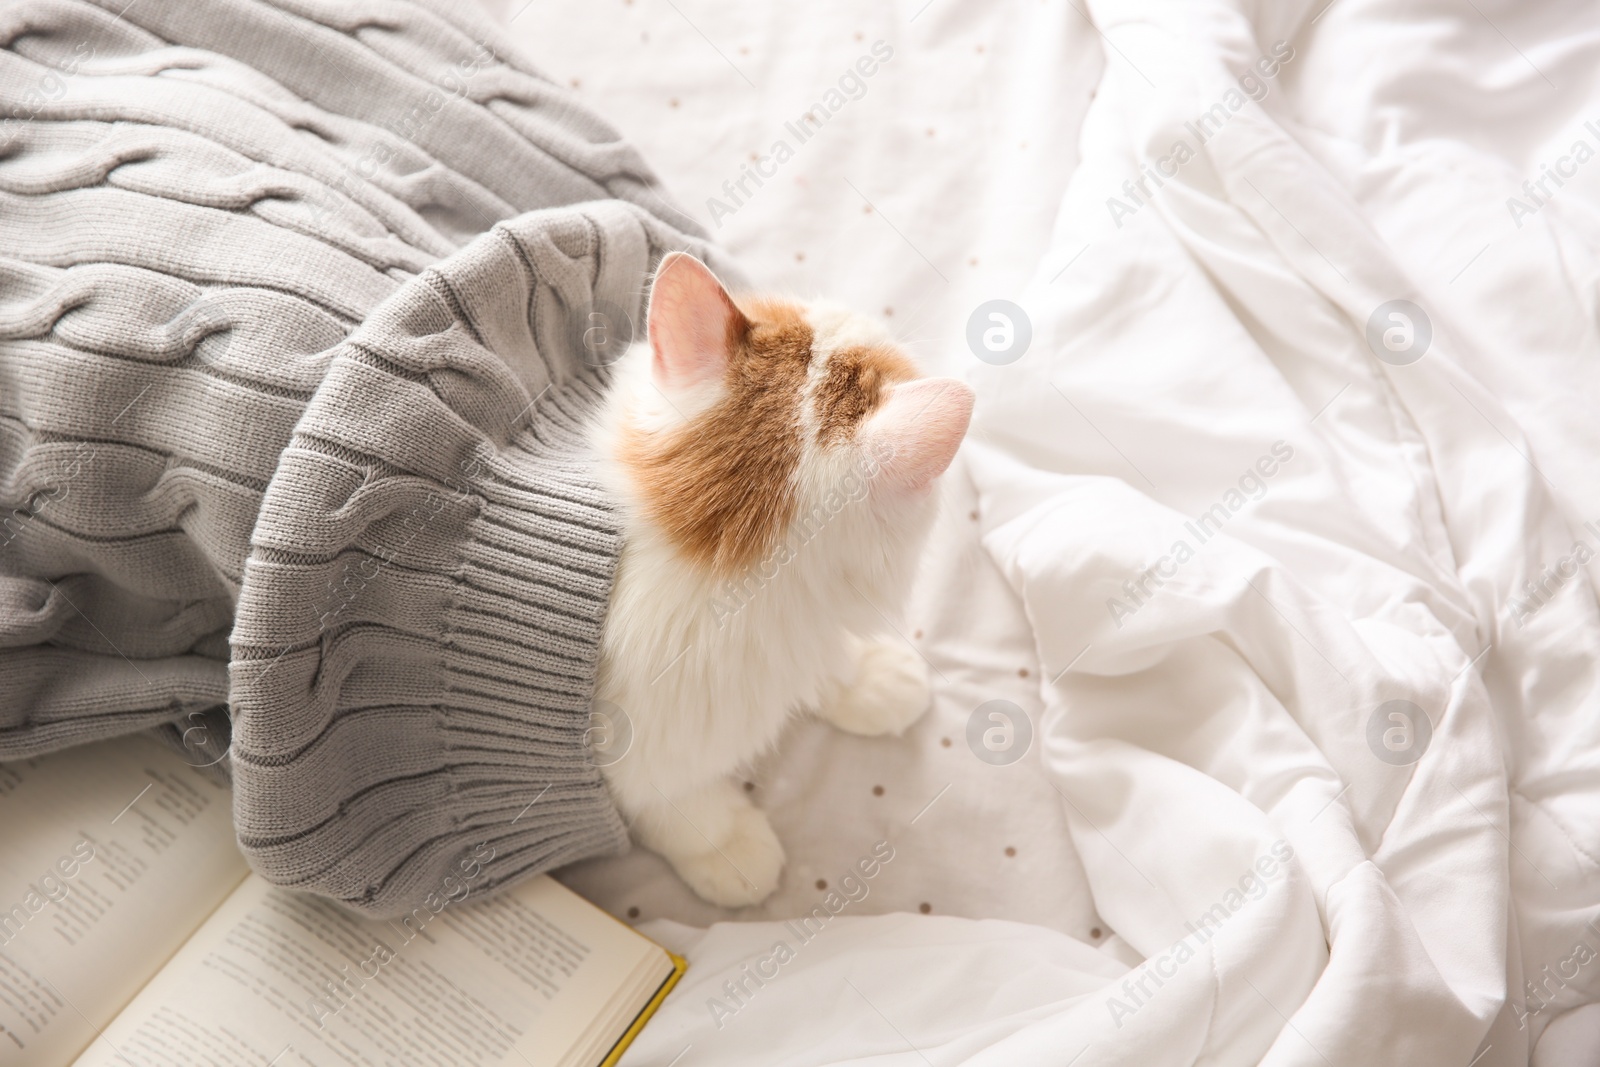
(292, 303)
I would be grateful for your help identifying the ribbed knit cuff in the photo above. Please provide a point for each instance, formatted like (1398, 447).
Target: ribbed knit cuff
(521, 655)
(437, 697)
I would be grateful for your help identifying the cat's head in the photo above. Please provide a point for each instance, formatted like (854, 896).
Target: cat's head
(747, 425)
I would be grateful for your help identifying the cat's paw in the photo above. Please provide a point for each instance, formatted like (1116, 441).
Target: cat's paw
(888, 692)
(743, 867)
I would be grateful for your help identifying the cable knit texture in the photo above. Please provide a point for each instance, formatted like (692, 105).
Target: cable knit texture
(292, 391)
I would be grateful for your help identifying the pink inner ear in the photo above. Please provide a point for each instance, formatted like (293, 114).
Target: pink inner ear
(693, 321)
(915, 433)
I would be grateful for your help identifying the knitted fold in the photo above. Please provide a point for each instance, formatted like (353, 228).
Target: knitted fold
(436, 529)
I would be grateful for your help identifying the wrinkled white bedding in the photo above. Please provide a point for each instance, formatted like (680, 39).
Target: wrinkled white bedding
(1221, 784)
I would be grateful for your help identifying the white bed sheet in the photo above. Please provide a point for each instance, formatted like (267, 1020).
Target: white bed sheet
(1229, 713)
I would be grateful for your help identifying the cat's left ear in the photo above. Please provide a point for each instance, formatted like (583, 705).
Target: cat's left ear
(915, 432)
(693, 324)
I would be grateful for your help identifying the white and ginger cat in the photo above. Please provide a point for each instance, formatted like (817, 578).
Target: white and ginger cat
(776, 467)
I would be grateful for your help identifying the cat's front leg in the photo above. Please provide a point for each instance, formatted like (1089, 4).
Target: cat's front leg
(719, 843)
(884, 690)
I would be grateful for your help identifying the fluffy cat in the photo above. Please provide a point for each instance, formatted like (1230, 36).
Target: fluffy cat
(776, 467)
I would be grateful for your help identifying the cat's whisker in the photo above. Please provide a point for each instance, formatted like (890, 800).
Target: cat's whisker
(930, 301)
(896, 629)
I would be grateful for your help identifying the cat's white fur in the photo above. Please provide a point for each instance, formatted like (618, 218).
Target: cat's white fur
(709, 680)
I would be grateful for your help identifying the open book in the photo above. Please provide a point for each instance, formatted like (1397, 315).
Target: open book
(132, 933)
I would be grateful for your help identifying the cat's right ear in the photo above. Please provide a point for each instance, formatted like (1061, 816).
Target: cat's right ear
(693, 324)
(914, 434)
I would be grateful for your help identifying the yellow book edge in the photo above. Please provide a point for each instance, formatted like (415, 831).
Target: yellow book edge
(679, 965)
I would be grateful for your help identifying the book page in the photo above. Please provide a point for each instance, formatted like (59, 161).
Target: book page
(111, 855)
(278, 977)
